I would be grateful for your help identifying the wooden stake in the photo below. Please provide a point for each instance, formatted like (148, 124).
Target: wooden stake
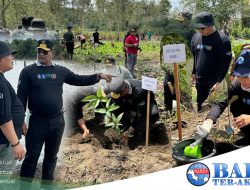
(147, 120)
(178, 99)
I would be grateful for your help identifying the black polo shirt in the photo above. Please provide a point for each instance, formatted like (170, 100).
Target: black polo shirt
(41, 87)
(11, 108)
(212, 56)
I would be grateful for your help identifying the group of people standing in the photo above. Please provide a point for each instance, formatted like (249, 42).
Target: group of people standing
(69, 41)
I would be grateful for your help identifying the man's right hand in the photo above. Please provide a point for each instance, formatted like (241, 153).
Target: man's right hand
(18, 152)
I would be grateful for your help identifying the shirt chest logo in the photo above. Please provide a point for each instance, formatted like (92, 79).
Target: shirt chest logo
(46, 76)
(201, 46)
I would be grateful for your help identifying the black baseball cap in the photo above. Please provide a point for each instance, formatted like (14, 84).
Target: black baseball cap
(204, 19)
(242, 64)
(46, 45)
(5, 50)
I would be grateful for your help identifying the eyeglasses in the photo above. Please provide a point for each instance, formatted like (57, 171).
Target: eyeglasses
(44, 52)
(201, 28)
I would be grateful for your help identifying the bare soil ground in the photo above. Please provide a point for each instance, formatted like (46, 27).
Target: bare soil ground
(101, 160)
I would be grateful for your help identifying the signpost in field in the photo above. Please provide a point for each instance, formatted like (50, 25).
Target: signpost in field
(149, 84)
(175, 53)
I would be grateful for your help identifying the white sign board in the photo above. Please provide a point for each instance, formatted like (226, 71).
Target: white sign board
(174, 53)
(149, 83)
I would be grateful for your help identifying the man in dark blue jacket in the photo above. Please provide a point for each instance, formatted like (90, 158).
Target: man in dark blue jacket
(41, 87)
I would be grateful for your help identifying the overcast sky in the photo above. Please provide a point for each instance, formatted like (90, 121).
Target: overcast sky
(175, 3)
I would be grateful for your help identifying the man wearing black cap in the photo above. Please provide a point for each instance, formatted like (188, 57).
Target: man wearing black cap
(69, 42)
(11, 116)
(111, 68)
(212, 56)
(132, 99)
(41, 87)
(240, 107)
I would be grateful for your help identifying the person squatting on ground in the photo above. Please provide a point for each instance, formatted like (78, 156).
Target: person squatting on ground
(111, 68)
(41, 87)
(240, 108)
(11, 116)
(132, 99)
(132, 45)
(69, 42)
(211, 50)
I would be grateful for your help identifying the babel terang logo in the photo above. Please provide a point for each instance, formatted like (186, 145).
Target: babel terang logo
(198, 174)
(231, 175)
(236, 174)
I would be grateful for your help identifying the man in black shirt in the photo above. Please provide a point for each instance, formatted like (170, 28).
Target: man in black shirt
(41, 87)
(69, 42)
(11, 116)
(212, 56)
(96, 38)
(132, 99)
(240, 107)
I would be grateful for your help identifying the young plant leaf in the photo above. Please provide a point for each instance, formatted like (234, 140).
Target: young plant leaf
(89, 98)
(101, 110)
(97, 103)
(109, 124)
(108, 103)
(113, 107)
(119, 117)
(99, 91)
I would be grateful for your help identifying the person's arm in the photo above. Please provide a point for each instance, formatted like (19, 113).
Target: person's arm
(194, 55)
(23, 87)
(10, 134)
(218, 108)
(6, 124)
(128, 42)
(84, 80)
(225, 58)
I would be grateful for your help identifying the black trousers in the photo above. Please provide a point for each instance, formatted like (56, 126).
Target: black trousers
(237, 108)
(168, 95)
(70, 49)
(203, 90)
(41, 131)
